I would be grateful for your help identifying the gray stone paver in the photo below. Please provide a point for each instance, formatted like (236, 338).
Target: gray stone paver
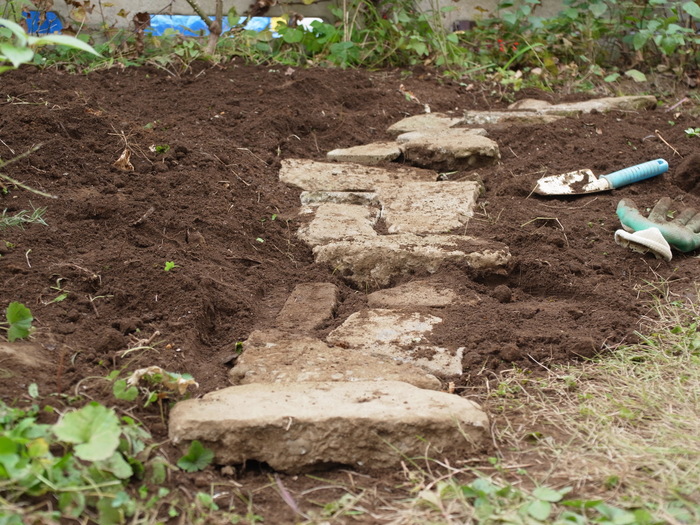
(307, 307)
(273, 356)
(335, 222)
(299, 426)
(427, 207)
(311, 175)
(400, 335)
(368, 154)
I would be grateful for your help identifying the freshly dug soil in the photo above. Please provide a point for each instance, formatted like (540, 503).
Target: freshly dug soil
(206, 147)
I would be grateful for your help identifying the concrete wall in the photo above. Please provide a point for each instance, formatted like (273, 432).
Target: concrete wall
(109, 11)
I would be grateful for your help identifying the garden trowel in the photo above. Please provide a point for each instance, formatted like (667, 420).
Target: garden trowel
(584, 181)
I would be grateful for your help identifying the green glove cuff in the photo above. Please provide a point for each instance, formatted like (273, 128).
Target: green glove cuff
(677, 235)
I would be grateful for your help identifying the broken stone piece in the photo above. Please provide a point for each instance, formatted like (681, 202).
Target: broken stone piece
(374, 262)
(428, 207)
(311, 175)
(399, 334)
(272, 356)
(307, 307)
(298, 427)
(368, 154)
(335, 222)
(425, 122)
(451, 150)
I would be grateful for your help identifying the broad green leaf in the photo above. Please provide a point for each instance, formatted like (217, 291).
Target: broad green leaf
(636, 75)
(16, 55)
(640, 39)
(612, 77)
(197, 458)
(61, 40)
(94, 429)
(16, 30)
(597, 9)
(20, 319)
(122, 391)
(547, 494)
(692, 9)
(117, 465)
(540, 510)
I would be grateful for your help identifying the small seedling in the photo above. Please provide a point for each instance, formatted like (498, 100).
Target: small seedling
(162, 148)
(197, 458)
(169, 265)
(260, 240)
(693, 132)
(19, 321)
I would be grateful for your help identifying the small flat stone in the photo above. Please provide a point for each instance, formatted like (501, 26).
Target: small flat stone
(308, 307)
(450, 150)
(428, 121)
(272, 356)
(297, 427)
(374, 262)
(400, 335)
(311, 175)
(368, 154)
(412, 295)
(335, 222)
(428, 207)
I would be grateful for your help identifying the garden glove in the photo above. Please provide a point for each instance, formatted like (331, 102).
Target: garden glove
(682, 233)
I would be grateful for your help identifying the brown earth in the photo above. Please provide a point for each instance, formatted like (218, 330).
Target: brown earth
(213, 205)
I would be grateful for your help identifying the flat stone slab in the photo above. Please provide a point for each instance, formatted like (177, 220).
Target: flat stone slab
(305, 426)
(449, 150)
(335, 222)
(400, 335)
(273, 356)
(311, 175)
(481, 118)
(603, 105)
(428, 207)
(368, 154)
(359, 198)
(428, 121)
(374, 261)
(308, 307)
(416, 294)
(414, 135)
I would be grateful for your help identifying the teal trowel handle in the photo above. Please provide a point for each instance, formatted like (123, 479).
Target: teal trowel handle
(636, 173)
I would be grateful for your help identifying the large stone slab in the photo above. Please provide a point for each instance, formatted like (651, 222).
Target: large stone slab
(311, 175)
(335, 222)
(374, 262)
(273, 356)
(449, 150)
(428, 207)
(400, 335)
(304, 426)
(425, 122)
(368, 154)
(308, 306)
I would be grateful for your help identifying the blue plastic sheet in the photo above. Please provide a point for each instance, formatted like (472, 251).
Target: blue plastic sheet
(195, 26)
(51, 24)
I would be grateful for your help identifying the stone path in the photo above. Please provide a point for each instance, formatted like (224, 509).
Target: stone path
(374, 391)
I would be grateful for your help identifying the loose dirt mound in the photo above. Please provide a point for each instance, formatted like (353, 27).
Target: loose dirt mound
(204, 194)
